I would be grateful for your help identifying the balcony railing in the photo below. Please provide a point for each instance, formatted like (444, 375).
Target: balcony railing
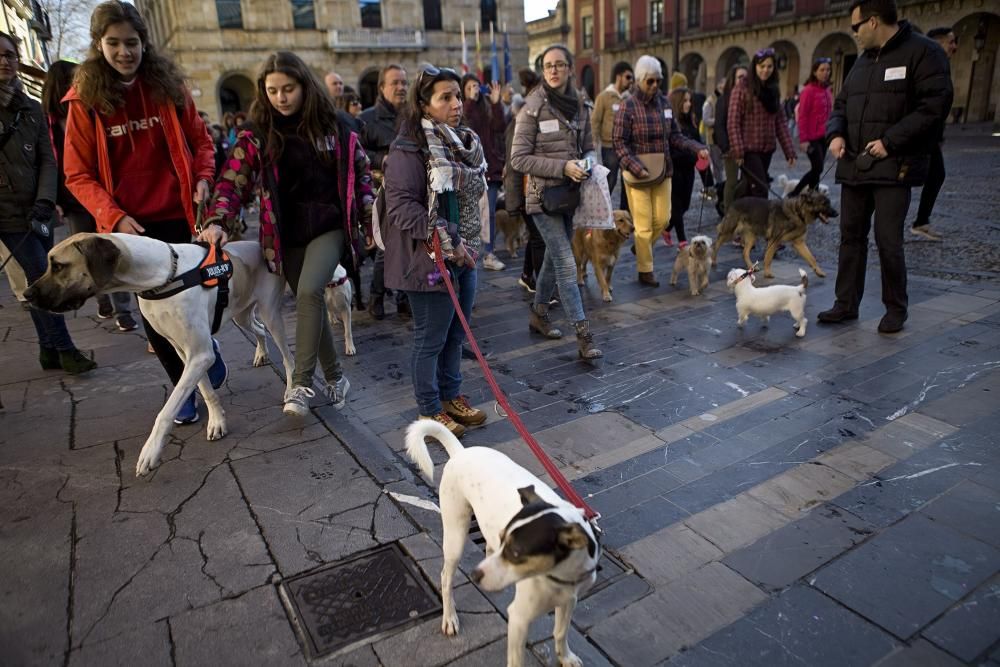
(374, 39)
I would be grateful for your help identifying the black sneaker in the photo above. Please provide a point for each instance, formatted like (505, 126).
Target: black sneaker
(104, 308)
(125, 322)
(891, 323)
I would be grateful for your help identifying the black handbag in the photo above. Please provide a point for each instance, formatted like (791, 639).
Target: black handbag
(561, 199)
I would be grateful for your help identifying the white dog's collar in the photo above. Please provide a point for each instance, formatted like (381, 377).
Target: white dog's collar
(579, 580)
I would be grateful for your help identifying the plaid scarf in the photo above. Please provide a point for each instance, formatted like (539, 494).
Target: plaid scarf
(456, 164)
(9, 90)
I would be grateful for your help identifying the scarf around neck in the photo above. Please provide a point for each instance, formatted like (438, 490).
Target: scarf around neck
(456, 167)
(568, 104)
(9, 90)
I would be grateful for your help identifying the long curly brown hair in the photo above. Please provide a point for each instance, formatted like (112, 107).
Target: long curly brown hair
(100, 86)
(319, 115)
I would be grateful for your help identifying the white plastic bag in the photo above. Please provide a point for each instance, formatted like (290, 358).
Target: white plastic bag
(595, 210)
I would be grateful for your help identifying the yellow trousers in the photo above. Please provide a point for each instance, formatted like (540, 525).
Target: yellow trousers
(650, 209)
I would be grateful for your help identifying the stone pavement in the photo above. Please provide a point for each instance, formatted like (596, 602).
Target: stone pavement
(766, 500)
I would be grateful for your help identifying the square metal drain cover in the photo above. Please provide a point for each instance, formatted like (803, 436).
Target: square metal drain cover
(358, 600)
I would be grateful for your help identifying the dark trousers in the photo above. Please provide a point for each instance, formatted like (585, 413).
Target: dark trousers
(609, 158)
(169, 231)
(534, 252)
(889, 204)
(756, 166)
(816, 154)
(682, 182)
(378, 279)
(932, 186)
(31, 252)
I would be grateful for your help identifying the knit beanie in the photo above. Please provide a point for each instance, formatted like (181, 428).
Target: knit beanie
(647, 67)
(678, 80)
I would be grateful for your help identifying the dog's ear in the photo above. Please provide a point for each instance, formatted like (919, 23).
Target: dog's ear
(572, 536)
(528, 495)
(101, 256)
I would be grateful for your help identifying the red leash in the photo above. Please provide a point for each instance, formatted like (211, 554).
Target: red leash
(515, 418)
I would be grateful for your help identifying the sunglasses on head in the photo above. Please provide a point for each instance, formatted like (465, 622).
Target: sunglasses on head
(765, 53)
(433, 72)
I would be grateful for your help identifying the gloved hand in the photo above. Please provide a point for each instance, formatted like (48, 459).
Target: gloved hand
(42, 210)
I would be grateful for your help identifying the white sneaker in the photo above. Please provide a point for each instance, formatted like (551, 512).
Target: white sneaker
(492, 263)
(297, 401)
(337, 391)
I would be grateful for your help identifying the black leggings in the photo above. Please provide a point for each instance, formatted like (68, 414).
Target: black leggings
(170, 231)
(816, 152)
(534, 251)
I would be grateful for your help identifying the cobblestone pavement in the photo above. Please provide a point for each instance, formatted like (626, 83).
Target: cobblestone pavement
(766, 500)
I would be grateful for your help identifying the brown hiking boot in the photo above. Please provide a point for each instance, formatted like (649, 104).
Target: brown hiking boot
(456, 429)
(585, 340)
(459, 409)
(540, 322)
(646, 278)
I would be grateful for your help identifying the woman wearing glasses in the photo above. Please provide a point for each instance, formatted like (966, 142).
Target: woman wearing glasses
(315, 189)
(646, 126)
(756, 123)
(435, 179)
(815, 105)
(552, 140)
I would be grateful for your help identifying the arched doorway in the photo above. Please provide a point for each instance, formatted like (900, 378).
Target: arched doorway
(236, 92)
(732, 56)
(788, 64)
(842, 52)
(974, 68)
(368, 88)
(694, 68)
(587, 80)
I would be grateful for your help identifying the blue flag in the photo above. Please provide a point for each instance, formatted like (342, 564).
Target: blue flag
(494, 60)
(508, 71)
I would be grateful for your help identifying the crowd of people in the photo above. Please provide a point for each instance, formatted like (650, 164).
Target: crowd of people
(120, 147)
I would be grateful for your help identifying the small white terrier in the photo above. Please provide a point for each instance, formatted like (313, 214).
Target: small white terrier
(766, 301)
(788, 184)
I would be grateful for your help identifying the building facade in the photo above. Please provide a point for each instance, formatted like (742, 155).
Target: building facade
(222, 44)
(29, 23)
(717, 34)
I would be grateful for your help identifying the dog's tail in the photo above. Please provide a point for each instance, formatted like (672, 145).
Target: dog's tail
(416, 448)
(805, 280)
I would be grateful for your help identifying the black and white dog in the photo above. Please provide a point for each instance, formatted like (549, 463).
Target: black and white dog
(534, 538)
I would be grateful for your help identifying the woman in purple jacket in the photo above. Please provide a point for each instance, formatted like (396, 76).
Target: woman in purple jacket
(435, 177)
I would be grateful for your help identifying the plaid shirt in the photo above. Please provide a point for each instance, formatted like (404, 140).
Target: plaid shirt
(752, 128)
(641, 126)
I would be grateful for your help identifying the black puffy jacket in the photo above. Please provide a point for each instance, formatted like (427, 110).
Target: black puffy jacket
(378, 131)
(27, 166)
(899, 94)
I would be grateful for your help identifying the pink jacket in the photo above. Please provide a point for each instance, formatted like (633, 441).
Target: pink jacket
(815, 105)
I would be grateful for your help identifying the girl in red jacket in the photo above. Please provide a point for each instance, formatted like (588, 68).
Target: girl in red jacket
(137, 155)
(815, 105)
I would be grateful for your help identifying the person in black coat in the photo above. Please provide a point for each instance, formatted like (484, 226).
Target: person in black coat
(882, 131)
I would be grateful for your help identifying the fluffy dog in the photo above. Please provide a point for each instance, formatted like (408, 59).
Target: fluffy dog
(513, 229)
(787, 185)
(339, 295)
(766, 301)
(601, 248)
(777, 222)
(85, 265)
(534, 539)
(694, 259)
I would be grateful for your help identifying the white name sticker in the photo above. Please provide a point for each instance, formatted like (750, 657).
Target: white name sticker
(895, 73)
(616, 107)
(668, 114)
(547, 126)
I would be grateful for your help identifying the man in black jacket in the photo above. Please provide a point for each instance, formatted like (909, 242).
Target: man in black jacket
(377, 134)
(882, 131)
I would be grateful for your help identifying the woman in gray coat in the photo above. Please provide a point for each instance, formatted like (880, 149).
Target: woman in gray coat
(27, 203)
(551, 140)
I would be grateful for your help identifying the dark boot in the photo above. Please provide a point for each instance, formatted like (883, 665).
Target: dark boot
(540, 323)
(74, 362)
(403, 308)
(48, 357)
(585, 340)
(376, 307)
(646, 278)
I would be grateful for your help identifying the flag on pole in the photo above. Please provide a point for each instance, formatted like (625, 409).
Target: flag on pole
(508, 71)
(494, 61)
(465, 52)
(479, 58)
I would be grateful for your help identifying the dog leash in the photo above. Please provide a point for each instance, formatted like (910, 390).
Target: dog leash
(753, 177)
(560, 481)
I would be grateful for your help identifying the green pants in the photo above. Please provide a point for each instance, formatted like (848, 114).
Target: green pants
(308, 270)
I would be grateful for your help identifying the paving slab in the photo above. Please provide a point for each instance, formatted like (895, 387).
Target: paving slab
(670, 554)
(920, 654)
(972, 626)
(736, 523)
(908, 575)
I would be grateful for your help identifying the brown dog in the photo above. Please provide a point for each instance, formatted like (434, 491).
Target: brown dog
(601, 248)
(694, 258)
(512, 227)
(775, 221)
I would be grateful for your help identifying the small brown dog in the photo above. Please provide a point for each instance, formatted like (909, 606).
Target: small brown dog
(601, 248)
(513, 229)
(695, 259)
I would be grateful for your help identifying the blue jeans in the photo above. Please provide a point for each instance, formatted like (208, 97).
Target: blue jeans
(559, 267)
(31, 252)
(492, 193)
(436, 364)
